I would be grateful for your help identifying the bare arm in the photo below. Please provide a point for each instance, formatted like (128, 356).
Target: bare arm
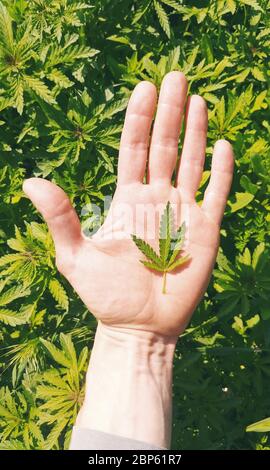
(128, 389)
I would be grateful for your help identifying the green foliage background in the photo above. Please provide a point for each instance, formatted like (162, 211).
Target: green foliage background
(67, 69)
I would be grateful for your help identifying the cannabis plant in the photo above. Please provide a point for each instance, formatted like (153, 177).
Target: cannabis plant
(67, 69)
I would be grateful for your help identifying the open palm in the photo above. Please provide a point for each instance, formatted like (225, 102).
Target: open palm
(105, 269)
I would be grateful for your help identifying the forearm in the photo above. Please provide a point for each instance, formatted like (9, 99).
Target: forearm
(128, 385)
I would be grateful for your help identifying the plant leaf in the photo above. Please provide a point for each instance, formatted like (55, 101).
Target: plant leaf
(59, 294)
(166, 261)
(9, 317)
(259, 426)
(56, 353)
(165, 231)
(147, 250)
(6, 32)
(177, 263)
(180, 236)
(152, 266)
(163, 18)
(242, 200)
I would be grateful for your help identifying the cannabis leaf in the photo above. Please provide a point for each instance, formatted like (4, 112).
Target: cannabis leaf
(61, 389)
(170, 246)
(59, 294)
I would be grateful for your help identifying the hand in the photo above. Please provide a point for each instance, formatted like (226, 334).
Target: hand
(106, 273)
(128, 383)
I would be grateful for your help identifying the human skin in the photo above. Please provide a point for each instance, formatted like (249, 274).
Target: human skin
(128, 385)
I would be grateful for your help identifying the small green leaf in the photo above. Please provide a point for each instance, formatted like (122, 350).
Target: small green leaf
(258, 74)
(154, 266)
(178, 263)
(247, 185)
(257, 254)
(59, 294)
(39, 88)
(141, 11)
(11, 318)
(167, 260)
(6, 32)
(163, 18)
(180, 236)
(242, 200)
(259, 426)
(251, 3)
(166, 227)
(147, 250)
(56, 353)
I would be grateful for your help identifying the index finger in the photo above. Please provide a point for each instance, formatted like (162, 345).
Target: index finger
(135, 137)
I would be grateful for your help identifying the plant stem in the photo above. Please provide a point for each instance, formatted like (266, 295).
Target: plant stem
(164, 283)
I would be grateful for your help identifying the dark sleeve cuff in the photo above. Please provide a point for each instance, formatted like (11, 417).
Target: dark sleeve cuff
(90, 439)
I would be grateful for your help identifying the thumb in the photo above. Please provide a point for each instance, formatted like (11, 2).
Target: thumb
(54, 205)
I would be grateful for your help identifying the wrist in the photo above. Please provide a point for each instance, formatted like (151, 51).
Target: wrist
(142, 346)
(128, 384)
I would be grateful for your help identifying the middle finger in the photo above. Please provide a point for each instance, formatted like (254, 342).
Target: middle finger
(164, 142)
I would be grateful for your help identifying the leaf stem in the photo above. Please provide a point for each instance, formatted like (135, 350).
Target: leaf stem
(164, 282)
